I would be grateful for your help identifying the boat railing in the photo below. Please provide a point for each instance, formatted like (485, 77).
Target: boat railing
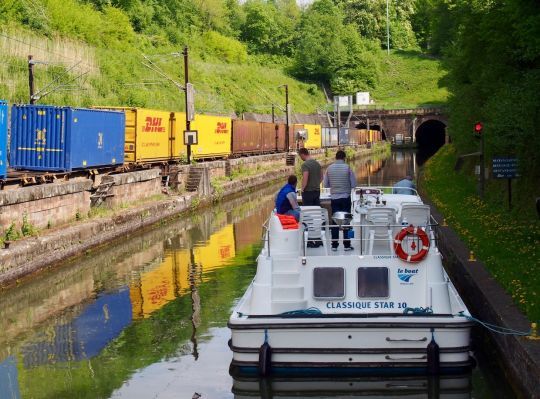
(368, 244)
(386, 235)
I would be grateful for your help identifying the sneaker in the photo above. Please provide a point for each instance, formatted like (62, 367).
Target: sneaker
(334, 249)
(348, 248)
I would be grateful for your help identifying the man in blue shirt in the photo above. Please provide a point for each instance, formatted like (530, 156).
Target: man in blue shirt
(341, 180)
(405, 186)
(286, 200)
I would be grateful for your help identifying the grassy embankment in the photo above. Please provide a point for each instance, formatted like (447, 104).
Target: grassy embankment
(507, 242)
(409, 79)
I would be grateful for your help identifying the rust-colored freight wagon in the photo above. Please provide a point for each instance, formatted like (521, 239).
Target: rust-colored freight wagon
(281, 138)
(246, 137)
(270, 136)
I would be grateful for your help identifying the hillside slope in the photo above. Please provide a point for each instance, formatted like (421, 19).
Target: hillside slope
(94, 56)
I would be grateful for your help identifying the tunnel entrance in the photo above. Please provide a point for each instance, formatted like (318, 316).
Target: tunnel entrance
(430, 136)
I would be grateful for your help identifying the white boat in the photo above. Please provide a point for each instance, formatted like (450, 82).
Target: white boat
(385, 306)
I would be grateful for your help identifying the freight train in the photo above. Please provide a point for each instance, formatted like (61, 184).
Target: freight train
(66, 139)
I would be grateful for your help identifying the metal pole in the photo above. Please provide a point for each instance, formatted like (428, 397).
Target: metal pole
(273, 114)
(287, 144)
(186, 81)
(31, 79)
(482, 167)
(509, 194)
(387, 30)
(338, 122)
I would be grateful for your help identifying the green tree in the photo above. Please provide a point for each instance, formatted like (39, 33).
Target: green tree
(338, 55)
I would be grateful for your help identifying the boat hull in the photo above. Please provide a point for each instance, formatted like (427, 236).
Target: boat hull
(354, 346)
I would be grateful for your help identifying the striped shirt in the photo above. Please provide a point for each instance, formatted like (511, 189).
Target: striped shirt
(340, 178)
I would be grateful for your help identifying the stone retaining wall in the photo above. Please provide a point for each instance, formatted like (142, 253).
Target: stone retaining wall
(134, 186)
(45, 205)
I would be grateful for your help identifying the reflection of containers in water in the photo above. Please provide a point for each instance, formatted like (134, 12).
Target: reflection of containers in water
(84, 337)
(147, 134)
(248, 230)
(314, 139)
(217, 251)
(214, 137)
(329, 136)
(154, 289)
(3, 139)
(247, 137)
(62, 138)
(9, 379)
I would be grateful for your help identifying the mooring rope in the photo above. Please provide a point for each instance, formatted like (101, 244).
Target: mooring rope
(495, 328)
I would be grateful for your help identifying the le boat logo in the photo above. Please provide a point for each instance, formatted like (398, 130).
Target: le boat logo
(405, 275)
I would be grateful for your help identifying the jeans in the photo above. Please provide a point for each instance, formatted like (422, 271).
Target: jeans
(311, 198)
(340, 205)
(294, 213)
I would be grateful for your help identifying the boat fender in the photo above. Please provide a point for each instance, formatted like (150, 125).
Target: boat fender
(433, 356)
(265, 357)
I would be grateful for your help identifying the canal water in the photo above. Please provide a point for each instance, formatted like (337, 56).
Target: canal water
(146, 317)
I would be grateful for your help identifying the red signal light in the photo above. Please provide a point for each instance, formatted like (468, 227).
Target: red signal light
(478, 127)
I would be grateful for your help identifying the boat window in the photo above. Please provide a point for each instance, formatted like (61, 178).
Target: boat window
(373, 282)
(328, 282)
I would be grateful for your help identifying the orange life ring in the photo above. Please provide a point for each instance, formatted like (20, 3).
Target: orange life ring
(398, 247)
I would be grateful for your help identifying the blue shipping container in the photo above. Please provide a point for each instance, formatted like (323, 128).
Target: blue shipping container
(3, 138)
(343, 136)
(62, 138)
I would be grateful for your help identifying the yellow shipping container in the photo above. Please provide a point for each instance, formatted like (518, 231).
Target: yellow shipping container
(148, 134)
(214, 136)
(314, 137)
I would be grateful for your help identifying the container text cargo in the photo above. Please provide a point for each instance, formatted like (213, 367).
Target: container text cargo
(63, 139)
(3, 139)
(215, 135)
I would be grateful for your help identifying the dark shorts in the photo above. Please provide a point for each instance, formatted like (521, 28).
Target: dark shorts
(311, 198)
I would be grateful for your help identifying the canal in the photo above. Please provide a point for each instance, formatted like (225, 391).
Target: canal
(145, 317)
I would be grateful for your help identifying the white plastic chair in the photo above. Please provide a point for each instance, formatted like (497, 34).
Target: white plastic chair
(380, 225)
(415, 214)
(315, 222)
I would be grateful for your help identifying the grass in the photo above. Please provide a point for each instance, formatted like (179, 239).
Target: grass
(509, 245)
(409, 79)
(117, 76)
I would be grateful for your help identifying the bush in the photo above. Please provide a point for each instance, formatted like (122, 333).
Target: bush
(225, 48)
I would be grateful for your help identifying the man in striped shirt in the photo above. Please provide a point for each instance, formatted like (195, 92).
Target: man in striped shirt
(341, 180)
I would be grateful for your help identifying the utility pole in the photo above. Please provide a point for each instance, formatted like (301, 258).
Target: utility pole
(273, 113)
(387, 29)
(287, 117)
(186, 83)
(338, 121)
(31, 79)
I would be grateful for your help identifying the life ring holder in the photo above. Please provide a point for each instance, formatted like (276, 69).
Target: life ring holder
(398, 247)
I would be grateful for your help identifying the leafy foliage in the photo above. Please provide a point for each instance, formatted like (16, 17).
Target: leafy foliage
(492, 51)
(352, 65)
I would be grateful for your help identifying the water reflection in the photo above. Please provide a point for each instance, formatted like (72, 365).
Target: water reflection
(146, 316)
(455, 387)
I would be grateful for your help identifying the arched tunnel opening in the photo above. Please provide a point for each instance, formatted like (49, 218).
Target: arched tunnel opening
(430, 136)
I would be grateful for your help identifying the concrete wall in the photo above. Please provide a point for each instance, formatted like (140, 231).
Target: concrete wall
(134, 186)
(48, 204)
